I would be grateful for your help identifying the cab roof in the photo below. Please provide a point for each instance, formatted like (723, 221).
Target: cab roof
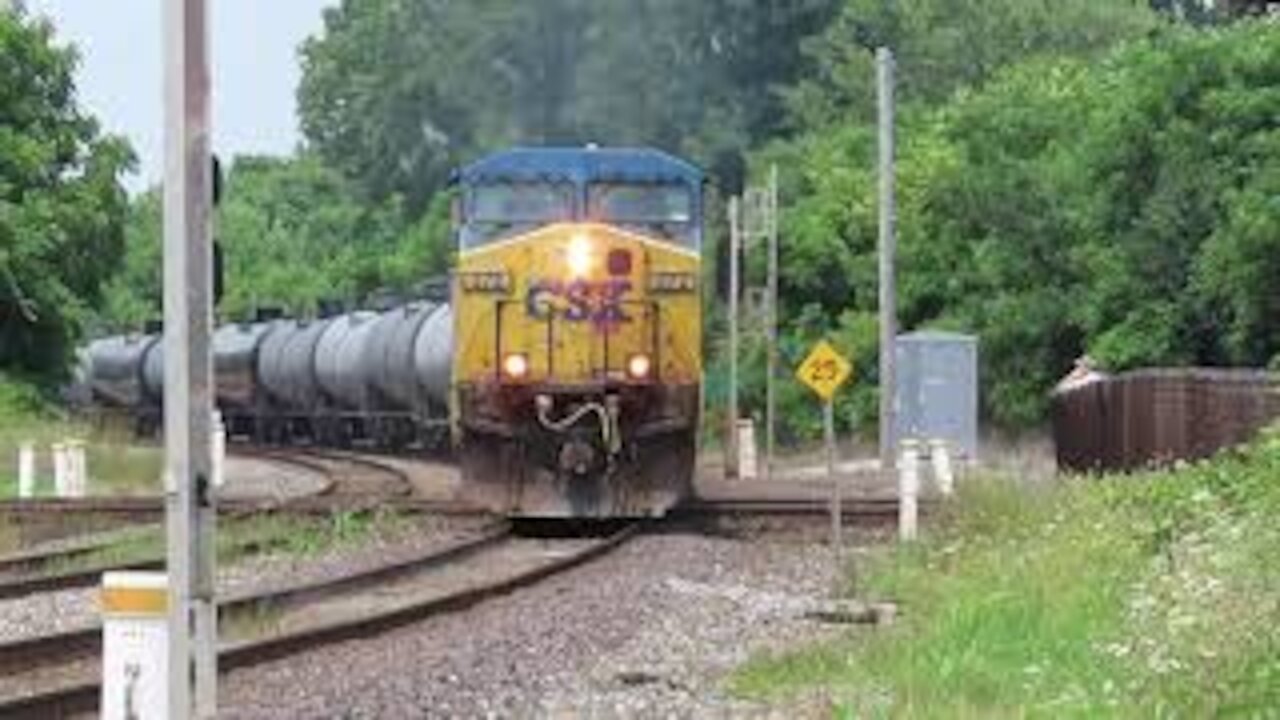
(580, 166)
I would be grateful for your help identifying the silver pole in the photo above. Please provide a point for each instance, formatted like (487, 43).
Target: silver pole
(837, 519)
(771, 378)
(188, 403)
(888, 250)
(735, 241)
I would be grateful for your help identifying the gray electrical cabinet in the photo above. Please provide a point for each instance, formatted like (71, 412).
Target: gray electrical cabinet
(937, 389)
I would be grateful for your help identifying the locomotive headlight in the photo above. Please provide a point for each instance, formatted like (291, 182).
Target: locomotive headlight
(579, 255)
(639, 367)
(515, 366)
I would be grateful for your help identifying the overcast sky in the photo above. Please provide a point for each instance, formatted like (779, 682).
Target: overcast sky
(255, 65)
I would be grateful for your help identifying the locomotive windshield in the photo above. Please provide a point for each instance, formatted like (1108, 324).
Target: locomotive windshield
(663, 208)
(498, 210)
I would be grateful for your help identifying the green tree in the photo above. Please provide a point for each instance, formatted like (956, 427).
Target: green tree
(62, 209)
(294, 233)
(134, 294)
(943, 45)
(452, 79)
(1122, 205)
(391, 91)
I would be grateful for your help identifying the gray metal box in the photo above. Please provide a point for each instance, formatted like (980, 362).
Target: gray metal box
(937, 389)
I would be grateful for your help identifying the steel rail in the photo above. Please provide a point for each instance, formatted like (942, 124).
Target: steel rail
(82, 696)
(68, 646)
(850, 507)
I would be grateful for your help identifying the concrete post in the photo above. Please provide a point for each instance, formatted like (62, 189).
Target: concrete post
(135, 646)
(748, 453)
(26, 471)
(908, 490)
(942, 472)
(190, 515)
(218, 447)
(78, 469)
(61, 471)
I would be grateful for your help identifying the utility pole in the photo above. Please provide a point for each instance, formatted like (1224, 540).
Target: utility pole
(772, 377)
(188, 400)
(735, 249)
(888, 250)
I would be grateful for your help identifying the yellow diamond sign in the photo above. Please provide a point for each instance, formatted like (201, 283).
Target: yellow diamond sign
(824, 370)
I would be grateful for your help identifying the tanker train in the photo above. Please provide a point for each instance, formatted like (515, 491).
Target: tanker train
(563, 371)
(359, 377)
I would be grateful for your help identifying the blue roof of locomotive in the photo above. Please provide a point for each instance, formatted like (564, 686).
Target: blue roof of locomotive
(580, 165)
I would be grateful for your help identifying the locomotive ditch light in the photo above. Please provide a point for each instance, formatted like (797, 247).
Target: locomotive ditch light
(579, 255)
(515, 366)
(639, 366)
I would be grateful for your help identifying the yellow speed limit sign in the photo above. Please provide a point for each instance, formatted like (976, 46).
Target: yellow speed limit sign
(824, 370)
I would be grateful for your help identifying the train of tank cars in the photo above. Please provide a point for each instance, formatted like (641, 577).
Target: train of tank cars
(563, 370)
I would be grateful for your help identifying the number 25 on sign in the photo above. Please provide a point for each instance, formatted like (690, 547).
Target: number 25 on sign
(824, 370)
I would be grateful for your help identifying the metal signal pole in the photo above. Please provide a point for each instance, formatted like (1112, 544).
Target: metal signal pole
(188, 402)
(772, 377)
(735, 249)
(888, 251)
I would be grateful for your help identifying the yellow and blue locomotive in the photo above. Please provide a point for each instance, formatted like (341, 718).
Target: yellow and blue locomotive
(578, 331)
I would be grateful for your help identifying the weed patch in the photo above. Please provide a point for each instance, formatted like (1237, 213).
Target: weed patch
(1119, 596)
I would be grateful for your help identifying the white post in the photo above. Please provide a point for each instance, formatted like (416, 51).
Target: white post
(908, 490)
(748, 456)
(135, 646)
(76, 461)
(61, 471)
(942, 472)
(219, 448)
(26, 471)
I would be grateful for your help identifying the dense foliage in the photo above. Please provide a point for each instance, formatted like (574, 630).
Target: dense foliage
(942, 46)
(293, 234)
(61, 207)
(1124, 206)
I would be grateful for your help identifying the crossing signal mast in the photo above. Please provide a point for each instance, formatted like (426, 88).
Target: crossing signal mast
(760, 224)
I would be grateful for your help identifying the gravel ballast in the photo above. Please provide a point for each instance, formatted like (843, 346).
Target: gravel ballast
(649, 631)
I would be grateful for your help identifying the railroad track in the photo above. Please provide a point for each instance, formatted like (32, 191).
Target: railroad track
(856, 509)
(353, 483)
(57, 675)
(347, 475)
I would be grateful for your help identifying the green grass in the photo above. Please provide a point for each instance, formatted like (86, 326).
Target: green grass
(1154, 595)
(117, 464)
(10, 537)
(253, 622)
(252, 537)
